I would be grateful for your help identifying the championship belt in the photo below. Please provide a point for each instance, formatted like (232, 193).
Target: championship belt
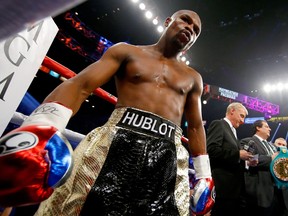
(279, 168)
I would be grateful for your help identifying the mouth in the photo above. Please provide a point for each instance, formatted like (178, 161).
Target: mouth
(185, 36)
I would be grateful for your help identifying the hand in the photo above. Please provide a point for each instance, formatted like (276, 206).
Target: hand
(202, 196)
(244, 155)
(252, 163)
(34, 159)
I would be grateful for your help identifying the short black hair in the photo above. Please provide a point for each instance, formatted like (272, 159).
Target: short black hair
(257, 123)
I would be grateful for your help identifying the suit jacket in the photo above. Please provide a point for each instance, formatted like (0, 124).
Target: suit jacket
(258, 180)
(223, 149)
(285, 197)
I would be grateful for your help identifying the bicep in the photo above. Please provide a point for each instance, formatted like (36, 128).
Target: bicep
(100, 72)
(193, 109)
(74, 91)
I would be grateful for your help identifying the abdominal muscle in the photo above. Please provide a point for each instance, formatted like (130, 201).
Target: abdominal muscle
(162, 101)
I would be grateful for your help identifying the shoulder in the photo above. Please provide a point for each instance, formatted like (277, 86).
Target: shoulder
(120, 51)
(245, 140)
(216, 129)
(193, 72)
(254, 138)
(219, 123)
(124, 49)
(195, 77)
(124, 46)
(119, 47)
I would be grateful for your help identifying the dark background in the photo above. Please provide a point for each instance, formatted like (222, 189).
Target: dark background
(242, 46)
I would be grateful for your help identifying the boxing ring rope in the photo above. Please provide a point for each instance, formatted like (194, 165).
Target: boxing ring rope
(73, 137)
(67, 73)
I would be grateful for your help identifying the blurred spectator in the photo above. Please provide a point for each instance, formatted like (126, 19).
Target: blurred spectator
(261, 192)
(280, 142)
(227, 161)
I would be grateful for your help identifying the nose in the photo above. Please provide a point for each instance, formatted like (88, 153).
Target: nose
(242, 120)
(189, 29)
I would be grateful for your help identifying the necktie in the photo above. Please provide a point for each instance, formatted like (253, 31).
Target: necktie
(268, 148)
(234, 132)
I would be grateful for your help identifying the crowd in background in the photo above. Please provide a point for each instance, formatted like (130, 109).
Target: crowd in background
(241, 167)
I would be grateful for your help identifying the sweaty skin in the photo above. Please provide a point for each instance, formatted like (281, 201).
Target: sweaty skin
(150, 78)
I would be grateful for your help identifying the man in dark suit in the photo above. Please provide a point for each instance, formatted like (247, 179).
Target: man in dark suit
(260, 188)
(225, 157)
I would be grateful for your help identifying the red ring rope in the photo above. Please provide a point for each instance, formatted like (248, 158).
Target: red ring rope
(67, 73)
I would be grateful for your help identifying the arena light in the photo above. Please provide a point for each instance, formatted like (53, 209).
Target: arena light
(155, 21)
(275, 87)
(160, 29)
(280, 87)
(267, 88)
(142, 6)
(148, 14)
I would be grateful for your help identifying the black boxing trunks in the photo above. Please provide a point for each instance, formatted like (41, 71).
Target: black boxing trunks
(133, 165)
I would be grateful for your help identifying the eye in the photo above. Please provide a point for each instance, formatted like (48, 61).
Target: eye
(196, 30)
(185, 19)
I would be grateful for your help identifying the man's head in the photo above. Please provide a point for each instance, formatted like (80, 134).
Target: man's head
(236, 113)
(183, 28)
(280, 142)
(261, 129)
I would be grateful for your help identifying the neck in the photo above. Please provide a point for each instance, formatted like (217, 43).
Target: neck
(168, 49)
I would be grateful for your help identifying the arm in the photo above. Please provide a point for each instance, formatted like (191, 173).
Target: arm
(247, 145)
(202, 195)
(39, 147)
(263, 162)
(74, 91)
(193, 113)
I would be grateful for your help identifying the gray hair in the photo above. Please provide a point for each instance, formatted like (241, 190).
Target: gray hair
(236, 106)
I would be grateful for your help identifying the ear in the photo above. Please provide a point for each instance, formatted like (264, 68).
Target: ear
(167, 21)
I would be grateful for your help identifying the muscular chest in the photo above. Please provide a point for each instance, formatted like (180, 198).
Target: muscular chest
(160, 73)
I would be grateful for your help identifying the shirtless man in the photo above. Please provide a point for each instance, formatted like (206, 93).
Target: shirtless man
(135, 163)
